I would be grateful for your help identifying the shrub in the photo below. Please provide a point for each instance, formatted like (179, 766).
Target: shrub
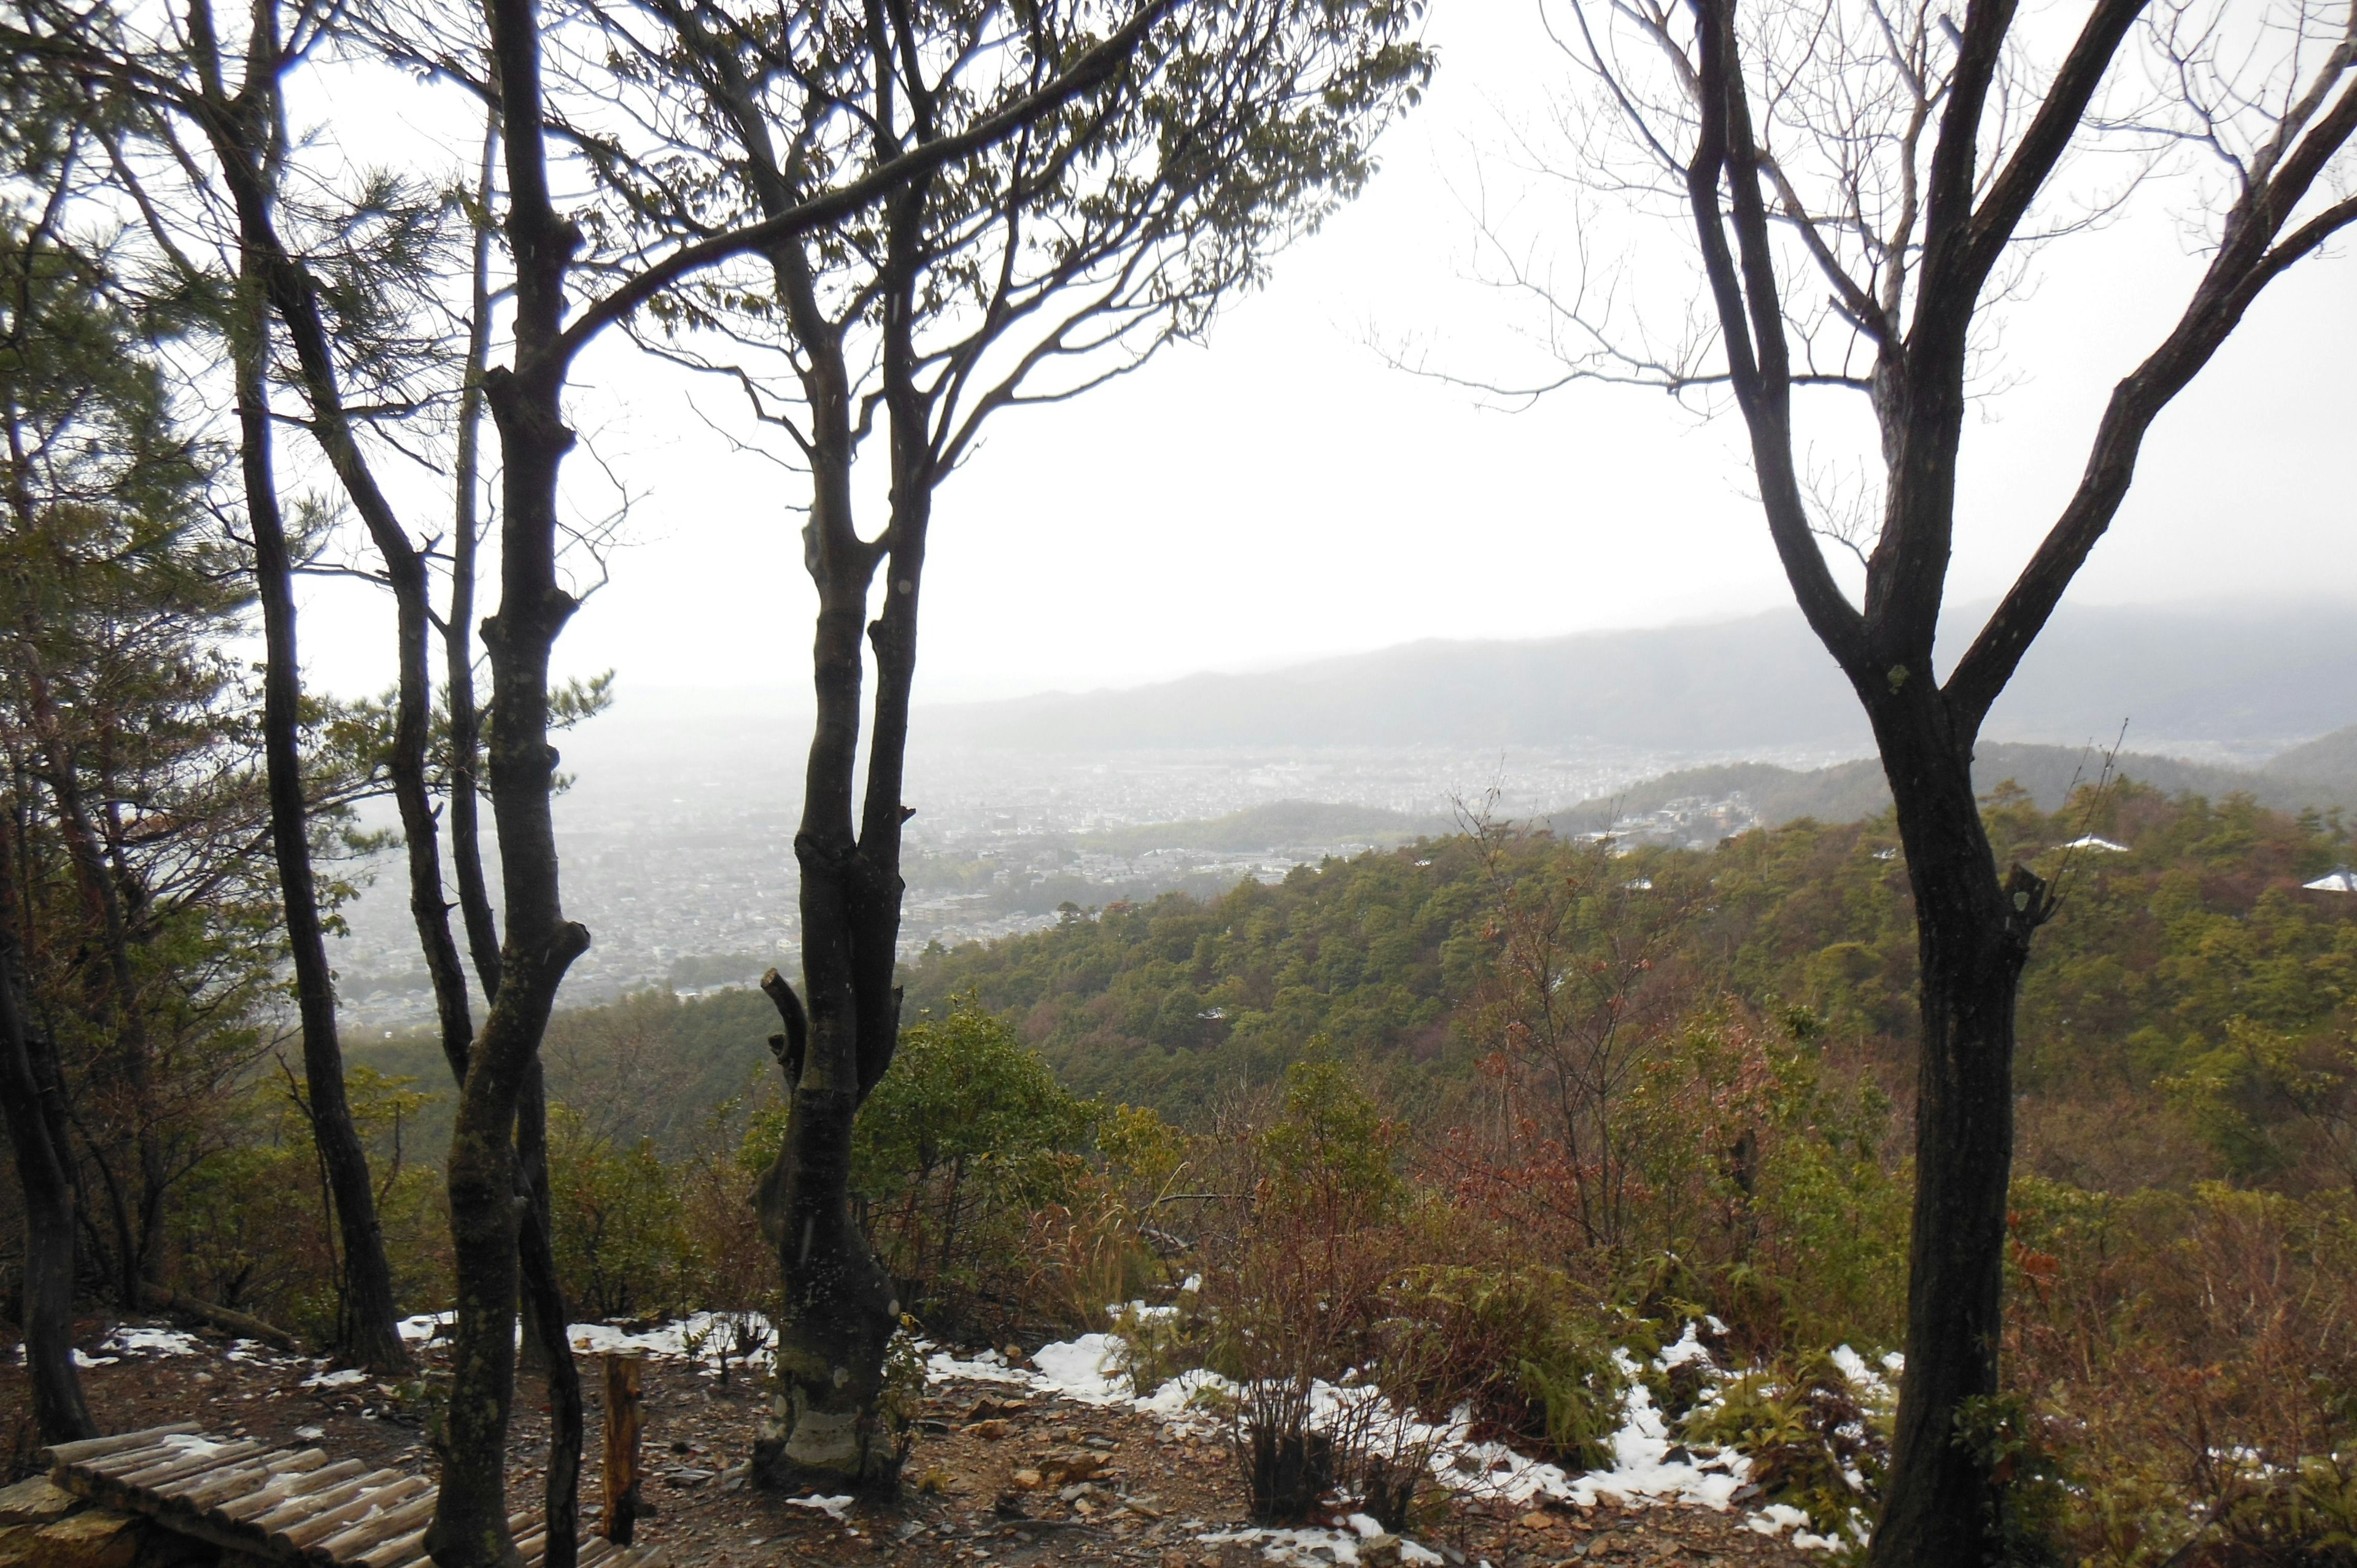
(1532, 1353)
(1816, 1440)
(966, 1140)
(620, 1235)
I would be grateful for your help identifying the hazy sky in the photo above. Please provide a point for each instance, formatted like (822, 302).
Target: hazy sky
(1279, 493)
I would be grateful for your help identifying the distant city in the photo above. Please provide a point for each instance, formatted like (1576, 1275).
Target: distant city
(677, 835)
(688, 883)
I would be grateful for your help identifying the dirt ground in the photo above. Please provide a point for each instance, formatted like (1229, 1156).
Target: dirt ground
(996, 1477)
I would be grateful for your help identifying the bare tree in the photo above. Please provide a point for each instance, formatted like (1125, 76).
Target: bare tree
(1050, 263)
(1585, 983)
(555, 313)
(1856, 181)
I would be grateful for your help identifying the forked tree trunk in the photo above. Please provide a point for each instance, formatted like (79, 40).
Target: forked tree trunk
(370, 1329)
(32, 1090)
(838, 1309)
(838, 1312)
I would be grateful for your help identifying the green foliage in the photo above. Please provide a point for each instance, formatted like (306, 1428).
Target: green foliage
(2131, 994)
(1330, 1149)
(1816, 1441)
(253, 1225)
(2031, 1495)
(620, 1238)
(966, 1137)
(1534, 1350)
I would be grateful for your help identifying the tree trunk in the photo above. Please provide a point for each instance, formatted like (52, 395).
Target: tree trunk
(459, 635)
(837, 1310)
(370, 1335)
(32, 1090)
(1973, 933)
(470, 1529)
(102, 900)
(544, 1293)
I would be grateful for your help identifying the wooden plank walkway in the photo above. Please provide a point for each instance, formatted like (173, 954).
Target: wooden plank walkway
(290, 1506)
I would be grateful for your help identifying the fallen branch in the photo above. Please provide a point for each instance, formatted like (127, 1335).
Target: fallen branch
(221, 1318)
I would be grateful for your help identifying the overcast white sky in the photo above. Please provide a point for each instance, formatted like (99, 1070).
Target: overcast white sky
(1279, 493)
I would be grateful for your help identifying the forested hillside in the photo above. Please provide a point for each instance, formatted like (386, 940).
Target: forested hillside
(2167, 957)
(2184, 977)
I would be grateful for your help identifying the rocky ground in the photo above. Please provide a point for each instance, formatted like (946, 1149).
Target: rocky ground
(999, 1476)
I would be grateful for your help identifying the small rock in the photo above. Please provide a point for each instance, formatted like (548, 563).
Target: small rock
(95, 1537)
(36, 1501)
(1538, 1519)
(991, 1409)
(1380, 1551)
(991, 1429)
(1027, 1480)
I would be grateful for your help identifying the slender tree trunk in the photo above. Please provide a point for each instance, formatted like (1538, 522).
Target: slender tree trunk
(544, 1293)
(470, 1529)
(372, 1336)
(1973, 936)
(32, 1090)
(466, 722)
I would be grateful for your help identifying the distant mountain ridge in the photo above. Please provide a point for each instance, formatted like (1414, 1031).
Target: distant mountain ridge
(2252, 677)
(2323, 774)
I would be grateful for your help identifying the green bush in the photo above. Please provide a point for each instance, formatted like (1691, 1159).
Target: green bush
(1535, 1352)
(966, 1137)
(620, 1232)
(1816, 1441)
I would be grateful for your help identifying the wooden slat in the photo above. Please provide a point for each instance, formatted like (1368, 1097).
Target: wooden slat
(309, 1459)
(516, 1522)
(396, 1517)
(375, 1499)
(98, 1447)
(172, 1470)
(194, 1494)
(594, 1550)
(129, 1459)
(271, 1495)
(308, 1506)
(396, 1551)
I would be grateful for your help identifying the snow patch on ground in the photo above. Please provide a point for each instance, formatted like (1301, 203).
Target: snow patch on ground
(423, 1327)
(1648, 1467)
(132, 1340)
(835, 1508)
(699, 1337)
